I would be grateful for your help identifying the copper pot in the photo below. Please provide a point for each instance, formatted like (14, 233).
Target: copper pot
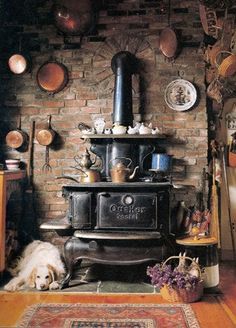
(85, 176)
(16, 138)
(89, 175)
(45, 136)
(52, 77)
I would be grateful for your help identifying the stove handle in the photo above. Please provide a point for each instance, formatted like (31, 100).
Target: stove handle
(105, 194)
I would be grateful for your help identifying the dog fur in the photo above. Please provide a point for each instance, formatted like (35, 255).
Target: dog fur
(40, 266)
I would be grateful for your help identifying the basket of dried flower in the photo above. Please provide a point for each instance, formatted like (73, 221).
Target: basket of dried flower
(182, 283)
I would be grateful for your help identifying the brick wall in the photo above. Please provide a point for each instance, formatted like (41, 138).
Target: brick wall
(121, 25)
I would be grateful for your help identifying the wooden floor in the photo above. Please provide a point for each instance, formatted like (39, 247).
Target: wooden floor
(217, 310)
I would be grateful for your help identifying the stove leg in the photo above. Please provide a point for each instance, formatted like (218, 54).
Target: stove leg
(70, 260)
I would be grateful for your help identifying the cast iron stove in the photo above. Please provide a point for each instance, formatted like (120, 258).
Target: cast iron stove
(117, 223)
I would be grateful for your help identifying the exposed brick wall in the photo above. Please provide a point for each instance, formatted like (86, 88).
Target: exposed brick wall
(89, 91)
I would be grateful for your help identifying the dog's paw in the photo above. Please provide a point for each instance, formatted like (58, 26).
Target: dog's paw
(11, 287)
(54, 285)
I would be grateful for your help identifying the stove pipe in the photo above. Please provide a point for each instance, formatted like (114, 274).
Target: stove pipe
(123, 64)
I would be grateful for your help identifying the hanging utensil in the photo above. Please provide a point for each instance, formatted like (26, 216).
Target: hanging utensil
(18, 62)
(47, 167)
(29, 223)
(52, 77)
(74, 17)
(46, 136)
(16, 138)
(168, 41)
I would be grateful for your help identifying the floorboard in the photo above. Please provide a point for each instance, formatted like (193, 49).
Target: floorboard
(216, 309)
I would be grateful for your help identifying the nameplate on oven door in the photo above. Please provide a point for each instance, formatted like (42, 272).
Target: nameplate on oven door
(126, 210)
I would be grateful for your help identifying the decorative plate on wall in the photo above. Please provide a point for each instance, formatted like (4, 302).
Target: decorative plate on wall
(180, 95)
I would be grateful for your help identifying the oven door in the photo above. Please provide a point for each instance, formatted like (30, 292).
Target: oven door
(80, 210)
(134, 211)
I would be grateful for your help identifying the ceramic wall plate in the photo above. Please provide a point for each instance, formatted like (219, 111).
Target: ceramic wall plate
(180, 95)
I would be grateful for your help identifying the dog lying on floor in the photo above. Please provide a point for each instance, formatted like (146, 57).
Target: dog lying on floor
(40, 266)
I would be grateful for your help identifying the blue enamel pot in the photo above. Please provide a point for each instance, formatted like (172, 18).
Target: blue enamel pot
(161, 162)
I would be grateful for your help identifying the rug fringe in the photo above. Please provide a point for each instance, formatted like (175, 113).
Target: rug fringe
(27, 315)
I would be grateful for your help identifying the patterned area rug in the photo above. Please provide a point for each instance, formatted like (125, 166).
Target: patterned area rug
(109, 316)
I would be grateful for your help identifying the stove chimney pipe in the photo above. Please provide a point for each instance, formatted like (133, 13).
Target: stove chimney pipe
(123, 64)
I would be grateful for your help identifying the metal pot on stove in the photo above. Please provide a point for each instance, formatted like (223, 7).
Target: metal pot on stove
(86, 173)
(161, 162)
(121, 172)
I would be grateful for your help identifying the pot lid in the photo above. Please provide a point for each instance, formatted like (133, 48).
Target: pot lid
(52, 77)
(180, 95)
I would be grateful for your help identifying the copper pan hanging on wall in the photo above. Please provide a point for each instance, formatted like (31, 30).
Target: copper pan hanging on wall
(168, 41)
(52, 77)
(16, 138)
(73, 17)
(18, 63)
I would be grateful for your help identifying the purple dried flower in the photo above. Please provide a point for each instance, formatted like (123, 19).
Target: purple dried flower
(164, 275)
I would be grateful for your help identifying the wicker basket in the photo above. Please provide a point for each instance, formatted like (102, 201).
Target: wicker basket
(182, 295)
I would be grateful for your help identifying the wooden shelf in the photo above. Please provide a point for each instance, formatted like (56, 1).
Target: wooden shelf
(123, 136)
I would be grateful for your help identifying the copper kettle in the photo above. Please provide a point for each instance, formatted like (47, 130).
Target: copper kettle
(86, 173)
(121, 172)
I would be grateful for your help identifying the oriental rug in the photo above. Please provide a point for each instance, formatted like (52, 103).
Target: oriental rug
(109, 316)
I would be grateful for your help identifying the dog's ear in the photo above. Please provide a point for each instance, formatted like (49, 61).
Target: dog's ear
(31, 279)
(53, 272)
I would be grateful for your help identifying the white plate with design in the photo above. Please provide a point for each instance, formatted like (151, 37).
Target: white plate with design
(180, 95)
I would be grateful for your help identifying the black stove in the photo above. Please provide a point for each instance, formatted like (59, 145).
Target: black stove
(120, 223)
(126, 223)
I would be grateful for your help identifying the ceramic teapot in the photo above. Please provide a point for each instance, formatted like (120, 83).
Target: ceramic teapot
(121, 172)
(119, 129)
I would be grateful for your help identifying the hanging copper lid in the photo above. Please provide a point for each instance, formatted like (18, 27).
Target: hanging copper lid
(18, 63)
(73, 17)
(52, 76)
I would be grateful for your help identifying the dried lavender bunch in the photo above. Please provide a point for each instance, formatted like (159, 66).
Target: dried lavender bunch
(164, 275)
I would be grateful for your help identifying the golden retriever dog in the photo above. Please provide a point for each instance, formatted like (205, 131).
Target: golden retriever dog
(40, 266)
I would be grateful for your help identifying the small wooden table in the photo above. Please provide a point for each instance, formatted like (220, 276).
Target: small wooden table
(201, 241)
(9, 182)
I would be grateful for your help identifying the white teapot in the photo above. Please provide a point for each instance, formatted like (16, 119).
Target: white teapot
(145, 129)
(119, 129)
(132, 130)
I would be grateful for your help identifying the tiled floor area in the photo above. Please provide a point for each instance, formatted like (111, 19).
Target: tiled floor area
(97, 278)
